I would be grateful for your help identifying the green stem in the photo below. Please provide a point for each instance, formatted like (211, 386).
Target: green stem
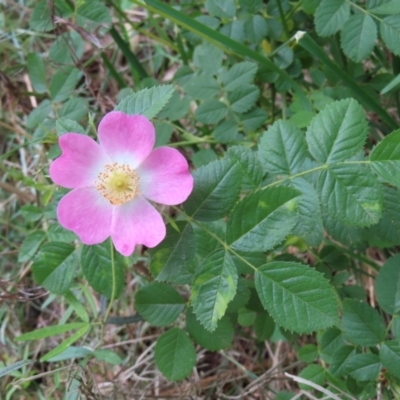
(283, 19)
(114, 284)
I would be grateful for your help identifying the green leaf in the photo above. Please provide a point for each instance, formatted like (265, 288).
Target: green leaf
(264, 326)
(211, 112)
(202, 87)
(208, 57)
(387, 286)
(221, 8)
(309, 225)
(214, 286)
(362, 325)
(159, 304)
(243, 98)
(340, 360)
(66, 125)
(40, 18)
(330, 16)
(75, 109)
(297, 297)
(389, 355)
(350, 194)
(313, 373)
(171, 260)
(30, 245)
(148, 102)
(251, 6)
(250, 167)
(78, 307)
(337, 132)
(14, 366)
(364, 367)
(240, 74)
(255, 28)
(227, 131)
(108, 356)
(310, 6)
(49, 331)
(283, 149)
(94, 12)
(308, 353)
(37, 72)
(31, 213)
(221, 338)
(392, 85)
(216, 190)
(262, 219)
(67, 48)
(331, 341)
(96, 266)
(204, 157)
(384, 7)
(390, 32)
(253, 119)
(358, 36)
(54, 267)
(38, 114)
(66, 343)
(70, 353)
(63, 83)
(175, 354)
(385, 158)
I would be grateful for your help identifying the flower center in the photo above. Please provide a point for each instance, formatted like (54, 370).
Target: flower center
(118, 183)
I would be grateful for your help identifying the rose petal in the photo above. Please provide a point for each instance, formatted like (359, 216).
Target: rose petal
(80, 162)
(165, 177)
(127, 139)
(87, 213)
(136, 222)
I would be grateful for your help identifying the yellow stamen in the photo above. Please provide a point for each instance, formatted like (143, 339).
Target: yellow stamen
(118, 183)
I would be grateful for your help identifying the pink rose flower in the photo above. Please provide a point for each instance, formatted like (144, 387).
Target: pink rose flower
(114, 180)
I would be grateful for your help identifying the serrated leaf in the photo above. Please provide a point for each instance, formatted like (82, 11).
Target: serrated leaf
(63, 83)
(220, 338)
(309, 225)
(49, 331)
(216, 190)
(208, 57)
(214, 286)
(255, 28)
(66, 125)
(330, 341)
(384, 7)
(362, 324)
(13, 367)
(147, 102)
(313, 373)
(340, 360)
(297, 297)
(30, 245)
(96, 266)
(221, 8)
(253, 119)
(171, 260)
(95, 12)
(385, 158)
(243, 98)
(283, 149)
(54, 267)
(66, 343)
(358, 36)
(350, 194)
(211, 112)
(227, 131)
(202, 87)
(250, 166)
(390, 32)
(337, 132)
(364, 367)
(262, 219)
(240, 74)
(388, 286)
(330, 16)
(389, 355)
(175, 354)
(37, 72)
(159, 304)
